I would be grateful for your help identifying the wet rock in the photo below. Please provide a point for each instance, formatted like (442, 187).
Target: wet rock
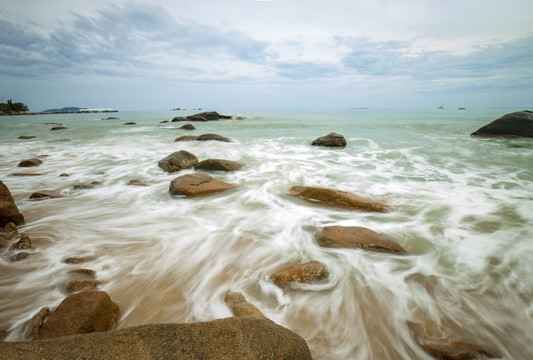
(27, 174)
(84, 272)
(130, 123)
(112, 118)
(59, 128)
(305, 273)
(75, 260)
(86, 186)
(230, 338)
(78, 285)
(338, 198)
(9, 211)
(218, 164)
(516, 124)
(81, 313)
(38, 320)
(206, 116)
(239, 306)
(177, 161)
(3, 334)
(186, 138)
(24, 243)
(163, 122)
(27, 137)
(10, 231)
(46, 194)
(64, 175)
(197, 184)
(179, 118)
(356, 237)
(137, 182)
(204, 137)
(330, 140)
(30, 162)
(188, 127)
(456, 351)
(19, 256)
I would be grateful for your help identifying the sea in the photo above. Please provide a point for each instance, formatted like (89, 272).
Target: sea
(461, 207)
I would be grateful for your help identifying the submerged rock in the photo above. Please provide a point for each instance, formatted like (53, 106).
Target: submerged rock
(81, 313)
(59, 128)
(239, 306)
(9, 211)
(130, 123)
(338, 198)
(218, 164)
(197, 184)
(330, 140)
(30, 162)
(27, 137)
(138, 182)
(356, 237)
(305, 273)
(230, 338)
(86, 186)
(177, 161)
(519, 124)
(46, 194)
(78, 285)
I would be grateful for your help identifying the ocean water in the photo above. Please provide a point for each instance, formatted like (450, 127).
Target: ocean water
(462, 208)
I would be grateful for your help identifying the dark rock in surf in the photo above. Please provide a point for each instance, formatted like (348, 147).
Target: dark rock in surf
(197, 184)
(46, 194)
(75, 260)
(330, 140)
(86, 186)
(9, 211)
(206, 116)
(204, 137)
(230, 338)
(138, 182)
(59, 128)
(305, 273)
(79, 285)
(179, 118)
(30, 162)
(356, 237)
(239, 306)
(130, 123)
(186, 138)
(27, 137)
(188, 127)
(19, 256)
(177, 161)
(516, 124)
(24, 243)
(84, 273)
(81, 313)
(218, 165)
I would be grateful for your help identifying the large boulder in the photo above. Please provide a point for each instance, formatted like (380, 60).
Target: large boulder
(9, 211)
(355, 237)
(207, 116)
(239, 306)
(230, 338)
(218, 164)
(338, 198)
(305, 273)
(177, 161)
(330, 140)
(197, 184)
(30, 162)
(81, 313)
(519, 123)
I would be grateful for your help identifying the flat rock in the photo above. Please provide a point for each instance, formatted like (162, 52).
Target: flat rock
(27, 174)
(338, 198)
(330, 140)
(222, 339)
(27, 137)
(46, 194)
(356, 237)
(197, 184)
(9, 211)
(178, 160)
(30, 162)
(305, 273)
(203, 137)
(239, 306)
(81, 313)
(59, 128)
(218, 164)
(516, 124)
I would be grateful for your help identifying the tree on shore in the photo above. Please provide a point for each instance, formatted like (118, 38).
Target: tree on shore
(11, 107)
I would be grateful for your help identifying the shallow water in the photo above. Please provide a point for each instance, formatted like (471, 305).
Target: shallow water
(462, 210)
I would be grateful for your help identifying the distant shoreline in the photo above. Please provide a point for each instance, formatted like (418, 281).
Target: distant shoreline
(58, 112)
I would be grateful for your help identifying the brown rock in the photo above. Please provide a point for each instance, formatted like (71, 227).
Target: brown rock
(23, 243)
(456, 351)
(19, 256)
(81, 313)
(186, 138)
(356, 237)
(59, 128)
(78, 285)
(85, 272)
(305, 273)
(64, 174)
(27, 137)
(239, 306)
(177, 161)
(216, 137)
(46, 194)
(74, 260)
(38, 320)
(197, 184)
(130, 123)
(26, 174)
(330, 140)
(86, 186)
(338, 198)
(30, 162)
(179, 118)
(9, 211)
(188, 127)
(137, 182)
(222, 339)
(218, 164)
(10, 231)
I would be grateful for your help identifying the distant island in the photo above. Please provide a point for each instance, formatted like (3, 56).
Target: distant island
(11, 108)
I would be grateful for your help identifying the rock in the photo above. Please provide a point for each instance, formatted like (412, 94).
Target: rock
(3, 334)
(305, 273)
(9, 211)
(207, 116)
(81, 313)
(218, 164)
(137, 182)
(356, 237)
(112, 118)
(27, 137)
(179, 118)
(59, 128)
(177, 161)
(46, 194)
(221, 339)
(85, 272)
(186, 138)
(86, 186)
(64, 175)
(207, 137)
(338, 198)
(27, 174)
(75, 260)
(24, 243)
(19, 256)
(188, 127)
(30, 162)
(516, 124)
(197, 184)
(456, 351)
(130, 123)
(78, 285)
(330, 140)
(163, 122)
(239, 306)
(38, 320)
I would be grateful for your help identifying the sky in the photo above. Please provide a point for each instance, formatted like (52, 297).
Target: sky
(162, 54)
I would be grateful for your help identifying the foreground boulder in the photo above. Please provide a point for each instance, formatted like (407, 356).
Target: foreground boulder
(30, 162)
(218, 164)
(305, 273)
(81, 313)
(197, 184)
(9, 211)
(338, 198)
(239, 306)
(330, 140)
(177, 161)
(356, 237)
(519, 123)
(230, 338)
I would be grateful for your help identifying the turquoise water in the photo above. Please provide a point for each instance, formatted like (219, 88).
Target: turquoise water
(462, 210)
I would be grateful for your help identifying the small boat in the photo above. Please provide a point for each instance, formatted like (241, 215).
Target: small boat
(441, 106)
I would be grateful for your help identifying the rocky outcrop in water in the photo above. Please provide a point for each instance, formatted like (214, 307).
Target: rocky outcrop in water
(230, 338)
(338, 198)
(516, 124)
(239, 306)
(188, 127)
(9, 211)
(46, 194)
(356, 237)
(330, 140)
(59, 128)
(218, 164)
(30, 162)
(198, 184)
(305, 273)
(204, 137)
(177, 161)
